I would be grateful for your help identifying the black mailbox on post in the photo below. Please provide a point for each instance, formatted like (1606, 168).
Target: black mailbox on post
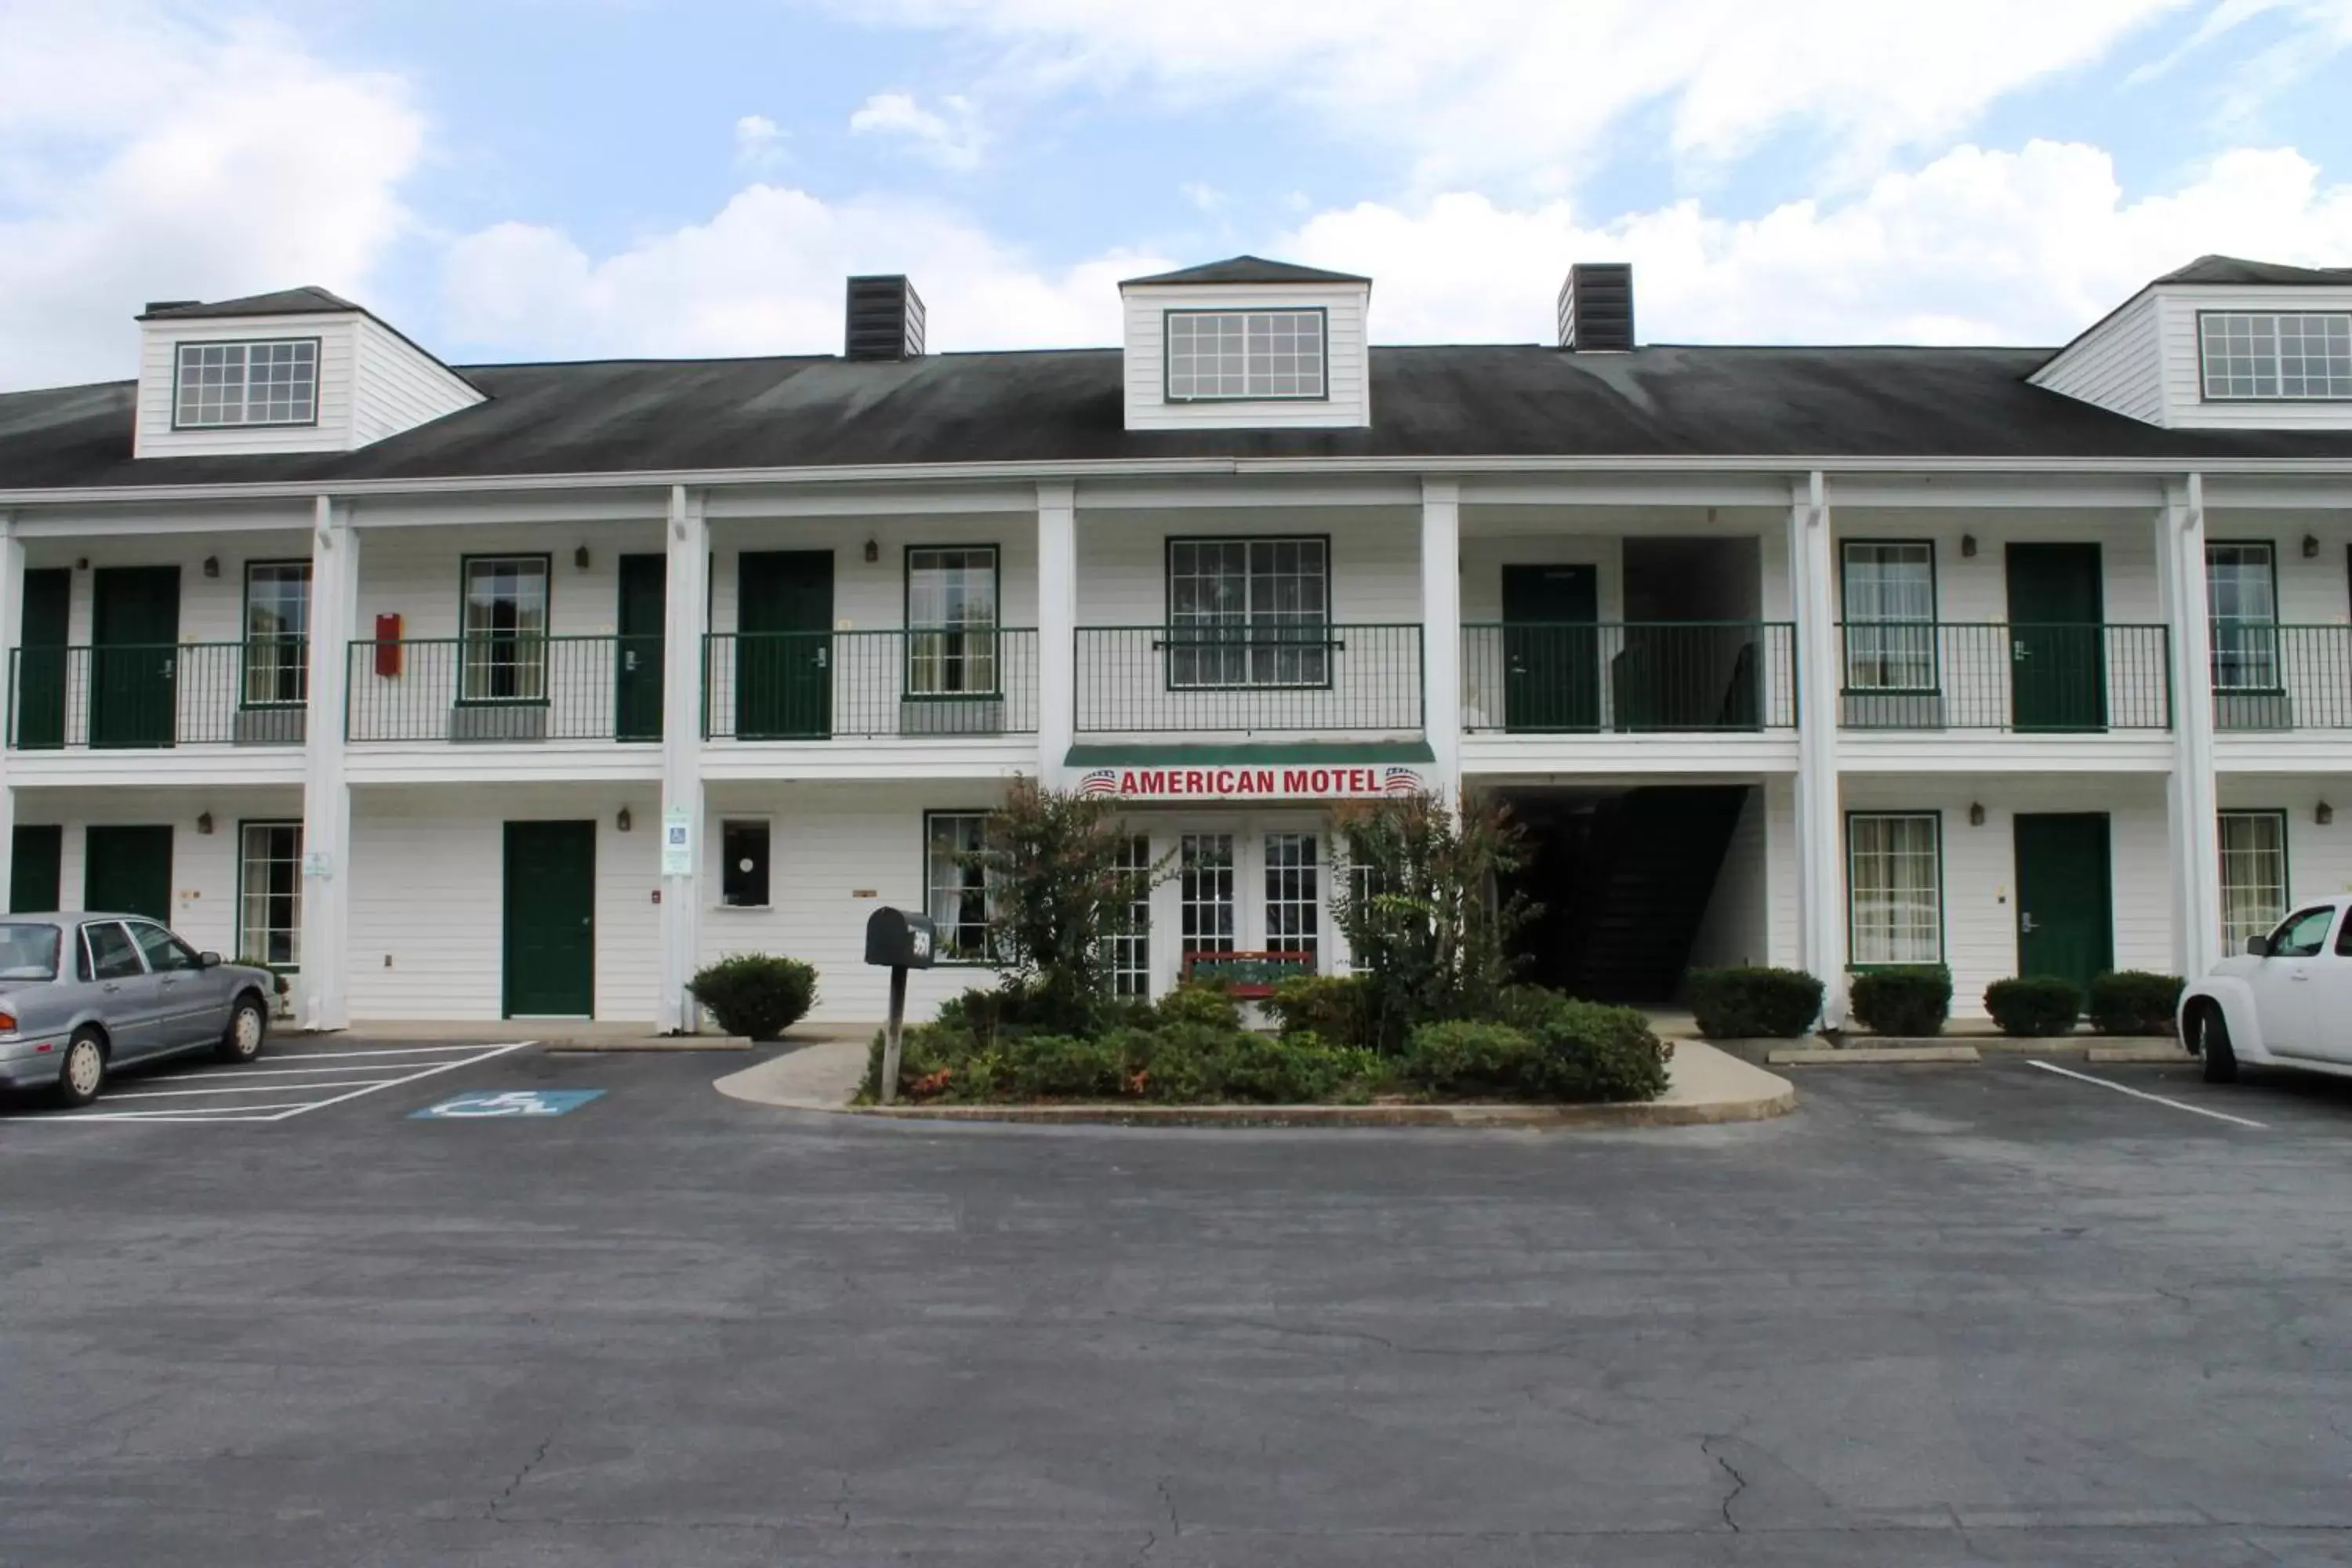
(897, 939)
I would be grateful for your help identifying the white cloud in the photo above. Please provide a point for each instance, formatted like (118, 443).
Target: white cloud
(759, 143)
(143, 157)
(952, 140)
(764, 276)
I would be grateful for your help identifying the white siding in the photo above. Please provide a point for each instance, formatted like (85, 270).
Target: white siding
(872, 595)
(1781, 864)
(398, 386)
(2184, 383)
(1347, 370)
(158, 362)
(2118, 364)
(212, 609)
(2313, 592)
(1738, 925)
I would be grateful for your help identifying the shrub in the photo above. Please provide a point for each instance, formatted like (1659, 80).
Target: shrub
(756, 993)
(1754, 1002)
(2040, 1004)
(1064, 1067)
(1589, 1051)
(2134, 1002)
(1200, 1005)
(1468, 1058)
(1915, 999)
(1335, 1007)
(1525, 1007)
(1287, 1069)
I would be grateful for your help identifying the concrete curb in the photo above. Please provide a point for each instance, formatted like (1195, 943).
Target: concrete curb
(1860, 1055)
(656, 1043)
(1709, 1087)
(2136, 1051)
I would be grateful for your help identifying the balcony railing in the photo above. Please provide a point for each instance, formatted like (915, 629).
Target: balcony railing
(2035, 680)
(815, 686)
(1241, 679)
(509, 689)
(160, 694)
(2281, 678)
(1569, 677)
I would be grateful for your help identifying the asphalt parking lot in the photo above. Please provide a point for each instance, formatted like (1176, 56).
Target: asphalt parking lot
(1939, 1315)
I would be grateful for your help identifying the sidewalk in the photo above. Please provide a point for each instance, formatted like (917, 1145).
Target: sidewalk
(1704, 1086)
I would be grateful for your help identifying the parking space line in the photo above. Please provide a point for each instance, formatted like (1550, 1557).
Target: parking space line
(337, 1090)
(235, 1089)
(402, 1051)
(2142, 1094)
(283, 1072)
(412, 1077)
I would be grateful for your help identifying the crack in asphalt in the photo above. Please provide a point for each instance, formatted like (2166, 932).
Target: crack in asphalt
(529, 1465)
(1739, 1481)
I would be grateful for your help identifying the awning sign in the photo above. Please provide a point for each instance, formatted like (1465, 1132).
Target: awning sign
(1357, 782)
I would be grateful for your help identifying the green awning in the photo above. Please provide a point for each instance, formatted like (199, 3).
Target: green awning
(1293, 754)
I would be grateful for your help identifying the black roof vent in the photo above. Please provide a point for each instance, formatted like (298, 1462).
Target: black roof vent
(1596, 308)
(886, 319)
(155, 305)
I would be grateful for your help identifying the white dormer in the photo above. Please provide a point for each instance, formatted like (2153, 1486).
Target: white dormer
(2221, 345)
(298, 370)
(1247, 344)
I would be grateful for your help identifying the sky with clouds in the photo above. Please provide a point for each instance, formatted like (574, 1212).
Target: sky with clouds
(532, 179)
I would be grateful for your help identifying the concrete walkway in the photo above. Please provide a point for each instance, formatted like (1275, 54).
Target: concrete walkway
(1704, 1086)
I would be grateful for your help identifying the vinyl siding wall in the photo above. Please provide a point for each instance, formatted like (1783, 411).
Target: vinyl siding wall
(2117, 365)
(204, 864)
(1737, 927)
(2184, 385)
(1347, 368)
(871, 596)
(159, 358)
(397, 387)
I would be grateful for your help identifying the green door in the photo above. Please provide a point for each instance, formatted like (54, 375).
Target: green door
(638, 680)
(134, 655)
(2066, 920)
(128, 871)
(2058, 667)
(550, 919)
(41, 661)
(36, 859)
(784, 653)
(1552, 650)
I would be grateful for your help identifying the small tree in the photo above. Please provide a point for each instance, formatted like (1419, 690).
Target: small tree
(1059, 891)
(1420, 902)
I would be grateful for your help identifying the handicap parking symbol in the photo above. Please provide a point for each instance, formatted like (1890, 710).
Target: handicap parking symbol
(511, 1102)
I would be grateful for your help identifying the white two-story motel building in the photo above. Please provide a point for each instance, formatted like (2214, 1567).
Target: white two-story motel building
(509, 690)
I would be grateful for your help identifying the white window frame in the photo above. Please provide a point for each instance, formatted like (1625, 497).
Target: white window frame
(2243, 632)
(1291, 869)
(951, 642)
(2253, 875)
(1202, 902)
(504, 664)
(278, 659)
(1902, 923)
(228, 368)
(252, 938)
(1247, 356)
(767, 827)
(2275, 356)
(1129, 952)
(1889, 647)
(947, 887)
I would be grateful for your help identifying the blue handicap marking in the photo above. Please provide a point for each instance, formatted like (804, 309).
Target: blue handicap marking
(509, 1102)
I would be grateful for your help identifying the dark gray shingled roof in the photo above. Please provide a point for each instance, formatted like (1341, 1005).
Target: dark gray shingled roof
(1248, 269)
(2231, 269)
(310, 301)
(638, 416)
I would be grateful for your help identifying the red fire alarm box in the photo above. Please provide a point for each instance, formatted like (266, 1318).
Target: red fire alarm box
(387, 645)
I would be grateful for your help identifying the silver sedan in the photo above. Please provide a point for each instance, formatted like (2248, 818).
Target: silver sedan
(83, 994)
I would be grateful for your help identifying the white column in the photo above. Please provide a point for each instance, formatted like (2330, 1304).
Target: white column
(1821, 877)
(2191, 800)
(1441, 630)
(324, 1001)
(688, 594)
(12, 603)
(1057, 627)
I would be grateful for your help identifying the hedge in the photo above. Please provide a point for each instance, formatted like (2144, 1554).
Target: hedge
(2034, 1006)
(1910, 1000)
(756, 993)
(2134, 1002)
(1746, 1003)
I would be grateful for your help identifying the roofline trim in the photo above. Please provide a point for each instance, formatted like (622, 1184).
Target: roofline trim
(1793, 468)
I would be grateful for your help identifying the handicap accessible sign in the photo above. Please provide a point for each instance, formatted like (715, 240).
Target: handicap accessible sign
(492, 1104)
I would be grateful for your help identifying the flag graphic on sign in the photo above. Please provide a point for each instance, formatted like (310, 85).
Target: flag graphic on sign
(1102, 781)
(1400, 780)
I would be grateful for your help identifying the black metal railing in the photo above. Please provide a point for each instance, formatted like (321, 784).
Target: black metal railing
(150, 695)
(815, 686)
(1238, 679)
(2270, 677)
(2062, 679)
(1577, 677)
(503, 688)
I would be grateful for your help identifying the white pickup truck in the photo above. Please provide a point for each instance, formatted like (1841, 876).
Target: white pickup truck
(2287, 1001)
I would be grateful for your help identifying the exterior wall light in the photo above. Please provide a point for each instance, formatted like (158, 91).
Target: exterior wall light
(204, 822)
(580, 558)
(873, 552)
(212, 565)
(1976, 814)
(2323, 814)
(621, 819)
(1969, 545)
(2310, 547)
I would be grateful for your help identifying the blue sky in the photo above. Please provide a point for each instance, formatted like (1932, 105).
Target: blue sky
(525, 178)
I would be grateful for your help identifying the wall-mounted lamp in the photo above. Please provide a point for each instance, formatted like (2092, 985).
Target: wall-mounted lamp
(621, 819)
(212, 565)
(1969, 545)
(580, 558)
(204, 822)
(2323, 814)
(82, 564)
(873, 552)
(1976, 814)
(2310, 547)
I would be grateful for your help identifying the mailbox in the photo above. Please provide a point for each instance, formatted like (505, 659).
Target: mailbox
(897, 939)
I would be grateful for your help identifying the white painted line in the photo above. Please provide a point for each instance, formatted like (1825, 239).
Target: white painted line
(278, 1072)
(404, 1051)
(235, 1088)
(412, 1077)
(277, 1111)
(2142, 1094)
(209, 1116)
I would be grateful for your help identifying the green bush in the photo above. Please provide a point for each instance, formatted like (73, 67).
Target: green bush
(1589, 1051)
(1200, 1005)
(2134, 1002)
(1525, 1006)
(1469, 1058)
(1335, 1007)
(2038, 1005)
(756, 993)
(1285, 1069)
(1912, 1000)
(1755, 1003)
(1062, 1067)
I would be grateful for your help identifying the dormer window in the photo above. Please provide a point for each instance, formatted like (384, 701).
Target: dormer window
(1225, 355)
(2284, 355)
(224, 385)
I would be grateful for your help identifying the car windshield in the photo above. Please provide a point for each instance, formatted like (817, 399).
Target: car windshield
(28, 952)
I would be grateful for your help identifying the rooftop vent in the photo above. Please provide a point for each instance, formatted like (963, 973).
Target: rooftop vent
(1596, 308)
(886, 319)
